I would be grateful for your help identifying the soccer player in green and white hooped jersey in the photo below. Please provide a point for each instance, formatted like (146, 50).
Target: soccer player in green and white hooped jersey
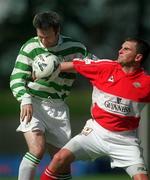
(44, 116)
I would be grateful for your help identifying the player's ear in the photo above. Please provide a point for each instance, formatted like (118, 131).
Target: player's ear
(57, 32)
(139, 57)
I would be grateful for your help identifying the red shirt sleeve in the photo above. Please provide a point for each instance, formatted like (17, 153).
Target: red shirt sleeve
(87, 68)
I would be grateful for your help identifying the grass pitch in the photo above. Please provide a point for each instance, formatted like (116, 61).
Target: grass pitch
(89, 177)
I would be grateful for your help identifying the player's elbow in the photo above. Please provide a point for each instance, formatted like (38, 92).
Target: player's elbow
(67, 67)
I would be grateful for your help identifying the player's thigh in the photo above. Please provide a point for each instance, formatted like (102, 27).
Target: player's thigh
(36, 142)
(52, 149)
(125, 151)
(85, 145)
(58, 134)
(58, 130)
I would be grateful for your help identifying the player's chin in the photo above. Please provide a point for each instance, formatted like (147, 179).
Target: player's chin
(122, 63)
(119, 60)
(48, 45)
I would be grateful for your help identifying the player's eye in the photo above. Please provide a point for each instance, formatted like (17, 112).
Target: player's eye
(126, 48)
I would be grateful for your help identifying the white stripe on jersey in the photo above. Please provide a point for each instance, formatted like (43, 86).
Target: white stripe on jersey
(29, 47)
(89, 61)
(115, 104)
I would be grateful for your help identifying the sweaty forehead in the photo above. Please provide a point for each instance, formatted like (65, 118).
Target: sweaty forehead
(129, 44)
(47, 32)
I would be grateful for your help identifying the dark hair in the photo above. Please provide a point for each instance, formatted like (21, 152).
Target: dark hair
(142, 47)
(46, 20)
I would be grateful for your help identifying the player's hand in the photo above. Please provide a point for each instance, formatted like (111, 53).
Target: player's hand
(33, 76)
(26, 112)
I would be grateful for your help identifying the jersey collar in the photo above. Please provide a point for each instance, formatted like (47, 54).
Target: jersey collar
(60, 40)
(136, 72)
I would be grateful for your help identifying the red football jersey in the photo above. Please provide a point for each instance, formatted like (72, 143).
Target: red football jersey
(118, 97)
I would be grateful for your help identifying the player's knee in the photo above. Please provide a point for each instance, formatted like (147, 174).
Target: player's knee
(36, 143)
(63, 157)
(59, 158)
(37, 151)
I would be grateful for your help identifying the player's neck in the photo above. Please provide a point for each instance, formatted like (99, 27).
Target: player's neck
(130, 69)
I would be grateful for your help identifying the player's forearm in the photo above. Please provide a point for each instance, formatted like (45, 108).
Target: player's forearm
(67, 67)
(18, 85)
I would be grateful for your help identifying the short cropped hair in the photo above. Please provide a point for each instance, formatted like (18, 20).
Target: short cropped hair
(142, 47)
(46, 20)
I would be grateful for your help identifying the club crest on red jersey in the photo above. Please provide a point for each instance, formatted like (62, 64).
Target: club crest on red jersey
(137, 84)
(111, 79)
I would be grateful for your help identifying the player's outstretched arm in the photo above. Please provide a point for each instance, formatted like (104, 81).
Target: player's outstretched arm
(67, 67)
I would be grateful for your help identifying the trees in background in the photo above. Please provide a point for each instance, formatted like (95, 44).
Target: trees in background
(101, 25)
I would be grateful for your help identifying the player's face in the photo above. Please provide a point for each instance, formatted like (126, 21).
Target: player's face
(48, 38)
(127, 53)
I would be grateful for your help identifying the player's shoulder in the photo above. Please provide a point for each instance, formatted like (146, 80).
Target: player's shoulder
(68, 39)
(71, 42)
(108, 62)
(146, 75)
(30, 44)
(144, 79)
(104, 63)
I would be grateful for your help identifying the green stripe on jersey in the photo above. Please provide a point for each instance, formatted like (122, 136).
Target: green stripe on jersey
(23, 66)
(71, 50)
(17, 85)
(44, 94)
(59, 88)
(54, 85)
(67, 75)
(20, 93)
(20, 76)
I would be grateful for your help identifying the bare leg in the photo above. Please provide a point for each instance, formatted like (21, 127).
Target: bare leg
(141, 177)
(36, 148)
(59, 166)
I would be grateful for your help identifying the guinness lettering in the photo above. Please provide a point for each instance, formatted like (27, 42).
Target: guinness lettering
(116, 107)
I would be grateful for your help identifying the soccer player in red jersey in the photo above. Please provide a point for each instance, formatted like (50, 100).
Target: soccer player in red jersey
(121, 88)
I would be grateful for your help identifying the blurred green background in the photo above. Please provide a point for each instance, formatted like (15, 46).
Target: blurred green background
(101, 25)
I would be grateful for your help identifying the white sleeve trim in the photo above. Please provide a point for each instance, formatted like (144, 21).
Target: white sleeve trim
(26, 100)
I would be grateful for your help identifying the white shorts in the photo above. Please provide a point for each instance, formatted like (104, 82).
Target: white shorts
(52, 119)
(94, 141)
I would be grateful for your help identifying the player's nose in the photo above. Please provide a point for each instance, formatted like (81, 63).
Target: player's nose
(121, 51)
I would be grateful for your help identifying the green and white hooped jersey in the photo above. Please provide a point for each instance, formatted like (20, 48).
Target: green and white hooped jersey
(21, 82)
